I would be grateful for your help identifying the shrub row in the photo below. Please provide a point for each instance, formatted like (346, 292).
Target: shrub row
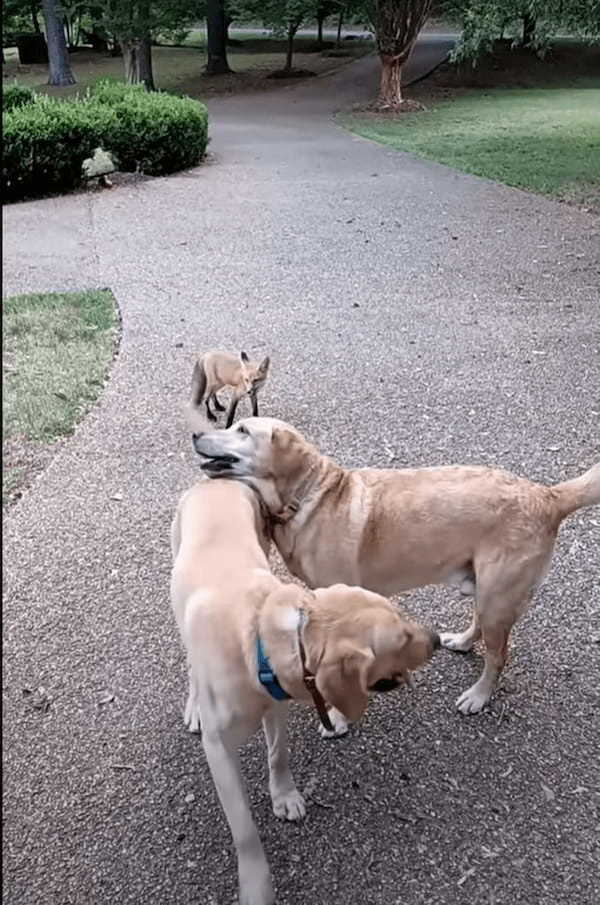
(46, 140)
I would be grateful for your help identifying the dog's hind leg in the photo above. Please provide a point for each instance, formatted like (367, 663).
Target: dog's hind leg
(221, 749)
(288, 803)
(504, 590)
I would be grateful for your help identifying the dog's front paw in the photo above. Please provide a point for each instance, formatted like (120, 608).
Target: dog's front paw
(339, 723)
(473, 699)
(289, 806)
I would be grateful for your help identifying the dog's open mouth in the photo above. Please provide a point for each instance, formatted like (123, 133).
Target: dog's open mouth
(221, 463)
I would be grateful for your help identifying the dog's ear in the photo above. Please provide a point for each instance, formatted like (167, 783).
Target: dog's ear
(264, 365)
(342, 679)
(244, 357)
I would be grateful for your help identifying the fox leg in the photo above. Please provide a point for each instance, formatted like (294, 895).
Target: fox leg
(254, 398)
(218, 406)
(231, 412)
(209, 413)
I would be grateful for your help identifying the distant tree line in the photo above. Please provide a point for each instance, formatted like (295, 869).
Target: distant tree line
(128, 27)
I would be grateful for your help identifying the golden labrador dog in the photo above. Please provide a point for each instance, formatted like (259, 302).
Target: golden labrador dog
(480, 529)
(253, 643)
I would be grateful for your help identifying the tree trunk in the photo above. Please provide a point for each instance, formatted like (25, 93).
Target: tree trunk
(58, 57)
(338, 40)
(397, 28)
(390, 85)
(216, 35)
(130, 64)
(529, 24)
(34, 18)
(320, 20)
(289, 56)
(144, 63)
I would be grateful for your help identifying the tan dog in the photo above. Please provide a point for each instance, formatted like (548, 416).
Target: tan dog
(480, 529)
(225, 598)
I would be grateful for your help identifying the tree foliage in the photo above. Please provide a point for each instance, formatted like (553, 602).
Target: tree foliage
(283, 16)
(530, 22)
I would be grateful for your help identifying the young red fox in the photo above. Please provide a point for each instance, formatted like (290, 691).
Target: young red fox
(216, 370)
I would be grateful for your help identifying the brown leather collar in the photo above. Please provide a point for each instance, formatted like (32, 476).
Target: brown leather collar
(309, 680)
(291, 508)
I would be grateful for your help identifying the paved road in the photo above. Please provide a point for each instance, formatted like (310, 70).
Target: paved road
(411, 312)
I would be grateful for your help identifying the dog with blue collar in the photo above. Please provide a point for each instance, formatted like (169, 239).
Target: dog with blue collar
(253, 644)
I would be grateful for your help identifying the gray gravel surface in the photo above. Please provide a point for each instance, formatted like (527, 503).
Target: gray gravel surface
(413, 315)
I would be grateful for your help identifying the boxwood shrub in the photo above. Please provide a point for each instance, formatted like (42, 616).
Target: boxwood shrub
(154, 132)
(16, 95)
(46, 140)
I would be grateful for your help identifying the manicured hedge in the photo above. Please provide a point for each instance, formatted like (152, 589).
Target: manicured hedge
(155, 132)
(16, 95)
(46, 140)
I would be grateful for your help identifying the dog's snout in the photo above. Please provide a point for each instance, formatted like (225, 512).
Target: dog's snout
(435, 640)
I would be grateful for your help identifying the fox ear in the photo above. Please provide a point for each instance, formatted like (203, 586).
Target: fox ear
(264, 365)
(244, 357)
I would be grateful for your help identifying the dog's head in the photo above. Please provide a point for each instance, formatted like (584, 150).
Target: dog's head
(266, 453)
(357, 643)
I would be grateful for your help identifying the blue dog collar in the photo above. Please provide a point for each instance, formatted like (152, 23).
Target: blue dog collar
(266, 676)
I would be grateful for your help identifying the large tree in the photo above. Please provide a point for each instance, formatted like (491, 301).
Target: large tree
(397, 26)
(58, 56)
(216, 37)
(134, 22)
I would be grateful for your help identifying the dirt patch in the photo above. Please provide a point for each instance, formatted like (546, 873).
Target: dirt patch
(283, 74)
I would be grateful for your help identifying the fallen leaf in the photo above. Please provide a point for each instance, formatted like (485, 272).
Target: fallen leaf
(466, 876)
(117, 496)
(106, 699)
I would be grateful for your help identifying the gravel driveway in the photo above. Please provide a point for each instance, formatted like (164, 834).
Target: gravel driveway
(413, 315)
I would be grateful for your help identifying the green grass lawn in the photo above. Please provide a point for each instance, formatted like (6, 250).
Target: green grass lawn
(56, 351)
(543, 140)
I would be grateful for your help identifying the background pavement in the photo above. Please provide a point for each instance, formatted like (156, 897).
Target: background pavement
(413, 315)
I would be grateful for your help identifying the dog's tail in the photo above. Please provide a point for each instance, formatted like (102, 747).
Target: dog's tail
(579, 492)
(198, 384)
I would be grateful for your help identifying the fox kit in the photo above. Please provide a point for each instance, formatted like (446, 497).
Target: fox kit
(216, 370)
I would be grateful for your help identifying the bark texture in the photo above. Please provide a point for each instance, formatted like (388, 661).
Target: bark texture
(397, 24)
(58, 56)
(216, 32)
